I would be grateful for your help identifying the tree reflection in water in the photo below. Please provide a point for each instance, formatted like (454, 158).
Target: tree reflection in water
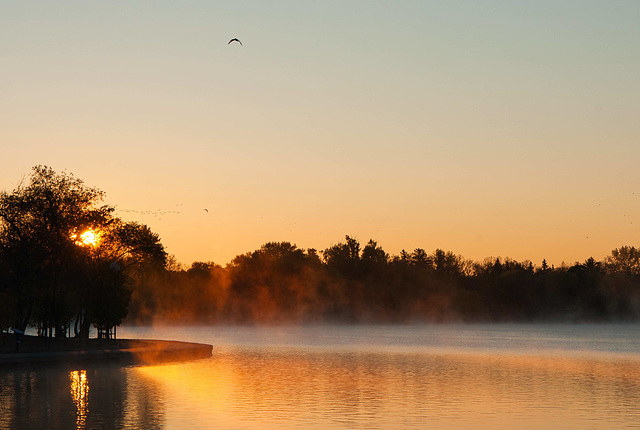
(94, 397)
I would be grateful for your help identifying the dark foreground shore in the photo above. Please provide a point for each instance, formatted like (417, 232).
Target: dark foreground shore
(35, 349)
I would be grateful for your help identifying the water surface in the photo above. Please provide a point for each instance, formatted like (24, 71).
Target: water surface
(356, 377)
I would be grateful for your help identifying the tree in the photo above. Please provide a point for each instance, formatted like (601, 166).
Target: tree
(545, 266)
(419, 257)
(374, 256)
(625, 259)
(278, 282)
(128, 257)
(448, 263)
(65, 256)
(40, 223)
(344, 258)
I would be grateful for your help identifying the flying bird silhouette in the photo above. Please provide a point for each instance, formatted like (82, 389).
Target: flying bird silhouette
(235, 40)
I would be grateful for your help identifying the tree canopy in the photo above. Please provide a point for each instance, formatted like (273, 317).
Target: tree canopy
(281, 283)
(65, 257)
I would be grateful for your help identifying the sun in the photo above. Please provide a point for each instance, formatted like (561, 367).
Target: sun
(89, 238)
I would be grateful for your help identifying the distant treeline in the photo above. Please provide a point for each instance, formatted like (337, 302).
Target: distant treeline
(280, 283)
(68, 263)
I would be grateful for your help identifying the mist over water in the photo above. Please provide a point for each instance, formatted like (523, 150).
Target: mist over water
(510, 339)
(336, 377)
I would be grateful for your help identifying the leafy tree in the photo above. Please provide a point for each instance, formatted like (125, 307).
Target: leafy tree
(625, 259)
(128, 258)
(39, 225)
(373, 256)
(52, 272)
(344, 258)
(278, 282)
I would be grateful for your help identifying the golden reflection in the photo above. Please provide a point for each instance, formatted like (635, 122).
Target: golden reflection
(80, 396)
(279, 390)
(207, 392)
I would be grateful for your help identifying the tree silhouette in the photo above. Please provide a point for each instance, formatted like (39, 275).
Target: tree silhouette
(40, 223)
(625, 259)
(50, 275)
(281, 281)
(54, 279)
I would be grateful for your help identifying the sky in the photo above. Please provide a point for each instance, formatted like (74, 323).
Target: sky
(497, 128)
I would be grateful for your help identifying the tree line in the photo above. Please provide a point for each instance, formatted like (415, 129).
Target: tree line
(351, 283)
(68, 263)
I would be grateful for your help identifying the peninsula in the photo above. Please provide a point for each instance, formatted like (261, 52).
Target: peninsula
(35, 349)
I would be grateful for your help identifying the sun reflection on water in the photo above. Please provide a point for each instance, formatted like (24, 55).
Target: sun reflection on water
(80, 396)
(270, 389)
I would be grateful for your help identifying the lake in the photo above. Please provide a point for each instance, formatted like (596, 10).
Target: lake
(349, 377)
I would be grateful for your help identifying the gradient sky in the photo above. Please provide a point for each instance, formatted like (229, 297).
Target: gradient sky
(487, 128)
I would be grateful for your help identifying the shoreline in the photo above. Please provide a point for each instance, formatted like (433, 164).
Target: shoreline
(34, 350)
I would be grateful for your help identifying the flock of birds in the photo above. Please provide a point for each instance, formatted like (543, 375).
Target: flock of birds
(159, 213)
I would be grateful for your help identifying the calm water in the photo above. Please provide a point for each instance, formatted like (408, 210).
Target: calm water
(363, 377)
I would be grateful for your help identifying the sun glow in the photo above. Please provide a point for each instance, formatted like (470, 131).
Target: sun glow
(89, 238)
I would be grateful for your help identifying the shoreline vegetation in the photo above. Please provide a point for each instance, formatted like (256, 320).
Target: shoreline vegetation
(67, 264)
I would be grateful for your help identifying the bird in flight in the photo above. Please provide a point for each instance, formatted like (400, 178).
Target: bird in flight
(235, 40)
